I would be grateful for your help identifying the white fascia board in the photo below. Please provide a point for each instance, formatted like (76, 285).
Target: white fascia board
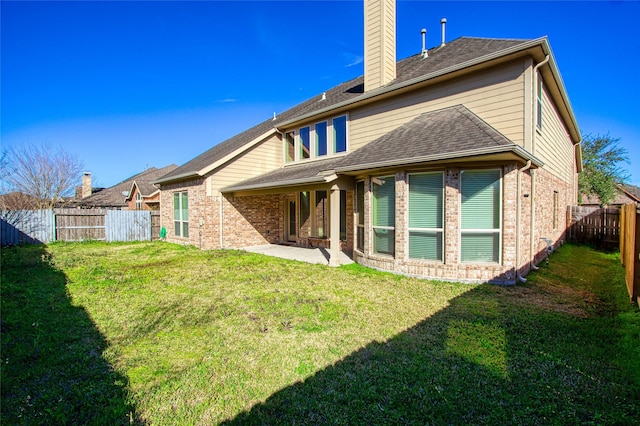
(182, 176)
(282, 184)
(516, 149)
(152, 194)
(237, 152)
(130, 191)
(553, 67)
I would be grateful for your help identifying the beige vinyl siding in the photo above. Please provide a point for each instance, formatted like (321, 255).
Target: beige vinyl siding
(262, 158)
(389, 67)
(496, 96)
(553, 144)
(380, 54)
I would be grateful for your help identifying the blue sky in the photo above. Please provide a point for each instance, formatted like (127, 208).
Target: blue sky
(129, 85)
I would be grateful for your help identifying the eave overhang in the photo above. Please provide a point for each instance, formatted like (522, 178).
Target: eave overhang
(496, 154)
(177, 178)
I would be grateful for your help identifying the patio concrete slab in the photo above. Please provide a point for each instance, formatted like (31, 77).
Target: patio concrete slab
(309, 255)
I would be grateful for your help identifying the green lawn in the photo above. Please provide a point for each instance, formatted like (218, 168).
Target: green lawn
(156, 333)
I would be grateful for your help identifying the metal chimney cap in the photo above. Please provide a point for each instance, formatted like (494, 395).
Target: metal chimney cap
(443, 21)
(423, 31)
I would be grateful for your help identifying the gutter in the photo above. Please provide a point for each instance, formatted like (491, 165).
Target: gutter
(181, 176)
(516, 149)
(282, 184)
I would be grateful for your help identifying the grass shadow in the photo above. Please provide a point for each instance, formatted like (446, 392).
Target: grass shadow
(52, 367)
(482, 360)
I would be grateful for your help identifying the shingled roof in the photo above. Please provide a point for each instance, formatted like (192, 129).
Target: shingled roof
(448, 133)
(144, 181)
(115, 196)
(455, 55)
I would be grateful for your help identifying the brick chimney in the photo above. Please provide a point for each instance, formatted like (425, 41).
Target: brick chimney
(86, 184)
(379, 43)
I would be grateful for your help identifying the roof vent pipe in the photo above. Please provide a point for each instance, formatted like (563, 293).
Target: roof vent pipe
(443, 22)
(425, 53)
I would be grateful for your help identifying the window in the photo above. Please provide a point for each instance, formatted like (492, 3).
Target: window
(321, 138)
(313, 141)
(481, 216)
(305, 213)
(290, 146)
(305, 143)
(321, 214)
(138, 201)
(426, 202)
(539, 103)
(340, 134)
(181, 214)
(360, 215)
(384, 215)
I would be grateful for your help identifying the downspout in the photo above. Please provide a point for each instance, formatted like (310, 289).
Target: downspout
(221, 221)
(535, 88)
(518, 192)
(533, 173)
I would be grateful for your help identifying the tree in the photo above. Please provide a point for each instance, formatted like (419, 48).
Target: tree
(602, 171)
(42, 173)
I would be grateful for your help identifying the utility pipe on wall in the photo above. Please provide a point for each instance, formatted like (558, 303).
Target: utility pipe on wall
(518, 206)
(534, 97)
(533, 174)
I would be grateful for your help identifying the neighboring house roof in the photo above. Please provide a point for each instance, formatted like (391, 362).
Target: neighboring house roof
(626, 194)
(144, 181)
(19, 201)
(632, 192)
(116, 195)
(443, 134)
(456, 56)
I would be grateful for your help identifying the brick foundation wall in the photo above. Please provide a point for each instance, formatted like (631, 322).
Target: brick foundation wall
(546, 185)
(450, 269)
(253, 220)
(203, 214)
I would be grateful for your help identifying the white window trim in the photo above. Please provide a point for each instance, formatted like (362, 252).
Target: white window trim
(374, 227)
(181, 220)
(480, 231)
(300, 145)
(286, 147)
(313, 149)
(361, 211)
(346, 136)
(138, 201)
(441, 230)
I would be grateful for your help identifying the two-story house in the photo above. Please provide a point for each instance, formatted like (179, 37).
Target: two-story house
(453, 164)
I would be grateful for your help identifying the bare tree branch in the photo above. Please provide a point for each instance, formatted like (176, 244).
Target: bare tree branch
(42, 173)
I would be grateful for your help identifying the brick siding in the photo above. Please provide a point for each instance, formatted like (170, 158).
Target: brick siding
(254, 220)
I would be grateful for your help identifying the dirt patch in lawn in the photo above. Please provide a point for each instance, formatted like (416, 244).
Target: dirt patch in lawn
(565, 300)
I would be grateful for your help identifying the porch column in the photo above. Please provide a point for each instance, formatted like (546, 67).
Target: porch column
(334, 233)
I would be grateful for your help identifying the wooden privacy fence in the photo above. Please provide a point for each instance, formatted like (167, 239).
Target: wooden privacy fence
(630, 248)
(595, 225)
(45, 226)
